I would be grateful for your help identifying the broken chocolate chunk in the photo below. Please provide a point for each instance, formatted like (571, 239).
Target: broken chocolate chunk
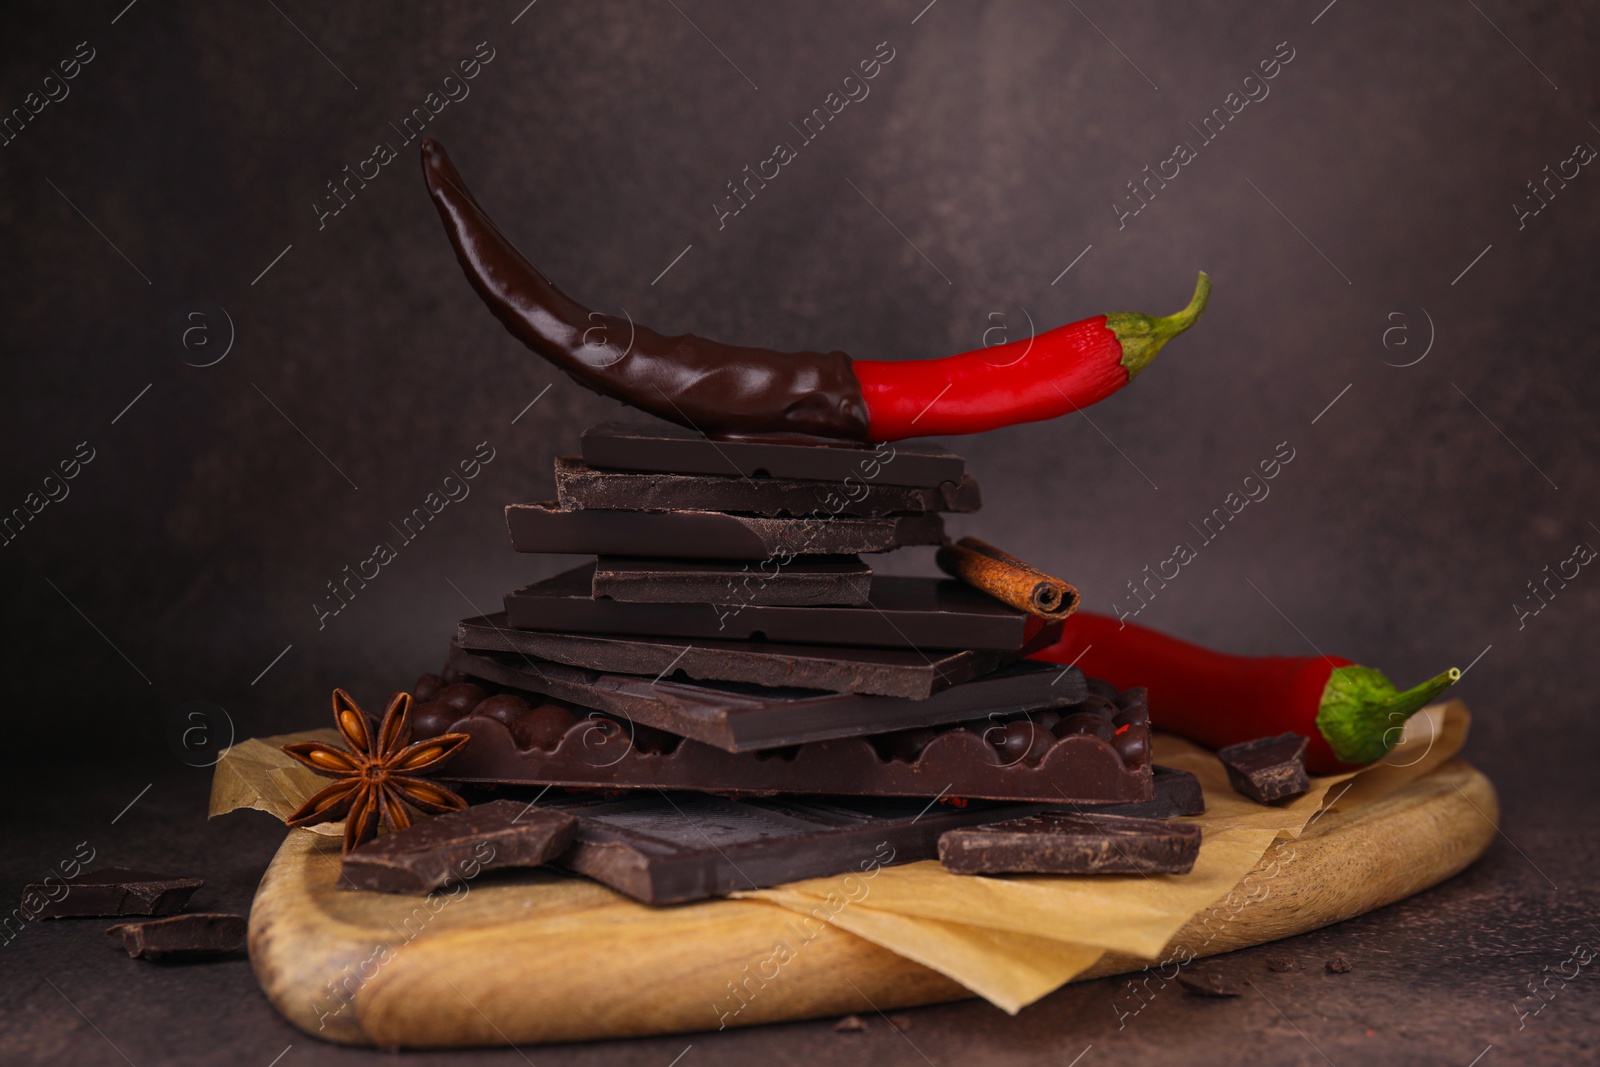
(1058, 842)
(1280, 964)
(197, 935)
(1338, 965)
(109, 892)
(459, 846)
(1268, 768)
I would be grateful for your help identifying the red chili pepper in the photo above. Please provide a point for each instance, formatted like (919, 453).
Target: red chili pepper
(1055, 373)
(734, 390)
(1352, 714)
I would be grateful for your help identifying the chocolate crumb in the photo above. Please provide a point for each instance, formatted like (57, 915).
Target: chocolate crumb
(1338, 965)
(850, 1024)
(1279, 964)
(1207, 984)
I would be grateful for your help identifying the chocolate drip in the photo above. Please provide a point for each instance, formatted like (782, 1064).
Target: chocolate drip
(718, 389)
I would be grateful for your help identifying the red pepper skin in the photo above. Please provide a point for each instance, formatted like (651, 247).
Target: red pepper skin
(1218, 699)
(1212, 698)
(1042, 377)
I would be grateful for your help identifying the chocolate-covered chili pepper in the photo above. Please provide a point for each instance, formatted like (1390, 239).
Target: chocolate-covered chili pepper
(732, 390)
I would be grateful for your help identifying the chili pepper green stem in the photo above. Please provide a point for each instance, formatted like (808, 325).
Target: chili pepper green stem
(1363, 714)
(1143, 335)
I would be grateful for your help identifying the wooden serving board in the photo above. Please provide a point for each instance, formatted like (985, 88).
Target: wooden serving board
(543, 957)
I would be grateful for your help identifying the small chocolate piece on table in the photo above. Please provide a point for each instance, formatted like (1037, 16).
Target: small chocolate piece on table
(895, 672)
(1057, 842)
(1338, 965)
(675, 450)
(109, 892)
(1281, 964)
(803, 581)
(196, 935)
(1207, 983)
(459, 846)
(582, 486)
(1268, 768)
(545, 527)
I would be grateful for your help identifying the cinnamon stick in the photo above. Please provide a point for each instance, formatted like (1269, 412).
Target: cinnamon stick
(1007, 578)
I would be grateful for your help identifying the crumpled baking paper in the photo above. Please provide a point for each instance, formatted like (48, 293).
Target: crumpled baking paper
(1009, 939)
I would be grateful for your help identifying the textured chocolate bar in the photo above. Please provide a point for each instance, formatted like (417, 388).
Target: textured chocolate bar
(1269, 768)
(669, 848)
(896, 672)
(901, 613)
(456, 847)
(581, 486)
(545, 527)
(1057, 842)
(806, 581)
(196, 935)
(744, 718)
(674, 450)
(1091, 753)
(109, 892)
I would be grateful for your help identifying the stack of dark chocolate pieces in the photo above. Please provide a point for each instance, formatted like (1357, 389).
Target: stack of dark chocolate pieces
(729, 641)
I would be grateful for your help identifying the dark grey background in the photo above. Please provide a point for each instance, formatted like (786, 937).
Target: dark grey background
(1385, 161)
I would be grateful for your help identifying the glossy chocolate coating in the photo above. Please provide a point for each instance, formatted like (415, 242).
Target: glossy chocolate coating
(709, 386)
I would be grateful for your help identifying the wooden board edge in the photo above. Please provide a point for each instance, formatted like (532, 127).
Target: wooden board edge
(636, 982)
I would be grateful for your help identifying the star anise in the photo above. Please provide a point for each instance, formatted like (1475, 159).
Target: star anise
(378, 777)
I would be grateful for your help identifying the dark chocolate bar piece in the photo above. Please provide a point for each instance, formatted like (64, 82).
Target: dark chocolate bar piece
(545, 527)
(109, 892)
(669, 848)
(1058, 842)
(1268, 768)
(674, 450)
(1176, 793)
(747, 718)
(901, 613)
(197, 935)
(895, 672)
(458, 846)
(581, 486)
(802, 582)
(1089, 753)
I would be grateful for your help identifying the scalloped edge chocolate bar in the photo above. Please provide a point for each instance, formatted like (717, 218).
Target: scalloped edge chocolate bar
(1107, 763)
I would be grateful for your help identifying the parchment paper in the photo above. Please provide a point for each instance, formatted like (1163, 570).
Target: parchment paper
(1009, 939)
